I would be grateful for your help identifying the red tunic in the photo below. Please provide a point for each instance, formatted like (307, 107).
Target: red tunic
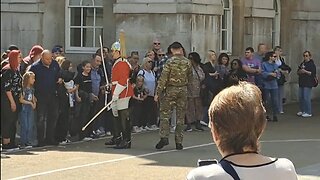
(120, 75)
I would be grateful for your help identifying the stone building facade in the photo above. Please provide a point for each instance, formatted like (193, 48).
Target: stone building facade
(221, 25)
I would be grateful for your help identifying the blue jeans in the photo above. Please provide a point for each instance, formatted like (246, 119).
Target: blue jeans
(27, 123)
(271, 96)
(305, 99)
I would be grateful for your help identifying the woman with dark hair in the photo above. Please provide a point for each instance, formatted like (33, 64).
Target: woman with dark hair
(307, 74)
(223, 63)
(236, 74)
(194, 106)
(270, 74)
(66, 94)
(11, 88)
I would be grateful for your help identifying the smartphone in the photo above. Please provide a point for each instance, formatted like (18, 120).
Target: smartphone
(206, 162)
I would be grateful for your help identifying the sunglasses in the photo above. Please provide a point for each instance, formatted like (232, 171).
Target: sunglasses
(305, 55)
(160, 54)
(156, 43)
(274, 56)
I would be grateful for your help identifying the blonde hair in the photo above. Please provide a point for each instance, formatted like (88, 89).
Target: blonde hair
(145, 61)
(26, 77)
(60, 60)
(238, 117)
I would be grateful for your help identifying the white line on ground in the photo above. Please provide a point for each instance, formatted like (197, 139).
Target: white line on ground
(149, 154)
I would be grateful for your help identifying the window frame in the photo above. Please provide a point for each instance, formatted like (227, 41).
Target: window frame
(276, 23)
(94, 27)
(228, 29)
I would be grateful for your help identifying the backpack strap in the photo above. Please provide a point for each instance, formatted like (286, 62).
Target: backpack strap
(229, 169)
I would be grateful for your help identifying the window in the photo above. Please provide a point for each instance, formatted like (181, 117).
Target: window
(83, 25)
(276, 24)
(226, 27)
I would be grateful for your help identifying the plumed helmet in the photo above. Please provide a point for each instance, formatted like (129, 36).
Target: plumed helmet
(115, 46)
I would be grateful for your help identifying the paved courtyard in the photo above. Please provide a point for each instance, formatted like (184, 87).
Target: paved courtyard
(292, 137)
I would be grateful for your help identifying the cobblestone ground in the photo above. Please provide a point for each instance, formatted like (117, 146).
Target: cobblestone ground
(292, 137)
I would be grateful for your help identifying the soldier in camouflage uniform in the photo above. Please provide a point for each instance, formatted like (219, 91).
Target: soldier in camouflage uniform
(172, 90)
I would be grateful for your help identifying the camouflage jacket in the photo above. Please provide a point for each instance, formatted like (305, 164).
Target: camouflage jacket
(177, 72)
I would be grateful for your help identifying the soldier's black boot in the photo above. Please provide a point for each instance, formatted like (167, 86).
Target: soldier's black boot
(124, 144)
(113, 141)
(179, 146)
(163, 142)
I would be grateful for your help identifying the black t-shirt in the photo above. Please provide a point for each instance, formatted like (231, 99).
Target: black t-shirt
(84, 82)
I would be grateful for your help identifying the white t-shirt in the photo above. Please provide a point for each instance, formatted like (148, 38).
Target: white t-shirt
(278, 169)
(149, 81)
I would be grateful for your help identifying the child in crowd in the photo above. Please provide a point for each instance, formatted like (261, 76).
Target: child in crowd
(67, 75)
(28, 102)
(84, 85)
(140, 93)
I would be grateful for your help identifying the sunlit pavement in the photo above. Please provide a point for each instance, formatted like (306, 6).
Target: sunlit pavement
(292, 137)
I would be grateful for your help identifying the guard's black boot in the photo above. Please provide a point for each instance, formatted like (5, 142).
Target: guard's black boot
(113, 141)
(179, 146)
(123, 145)
(163, 142)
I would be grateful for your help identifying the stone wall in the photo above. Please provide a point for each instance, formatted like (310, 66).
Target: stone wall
(194, 23)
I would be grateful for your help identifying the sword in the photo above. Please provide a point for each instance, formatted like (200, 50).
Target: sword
(95, 116)
(105, 71)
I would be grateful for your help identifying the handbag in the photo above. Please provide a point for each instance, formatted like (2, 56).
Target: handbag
(316, 81)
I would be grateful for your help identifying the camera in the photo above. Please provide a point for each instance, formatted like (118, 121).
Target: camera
(206, 162)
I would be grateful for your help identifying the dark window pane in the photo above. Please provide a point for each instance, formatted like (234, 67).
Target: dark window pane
(99, 16)
(87, 2)
(75, 37)
(74, 2)
(88, 16)
(224, 20)
(75, 16)
(98, 3)
(224, 44)
(88, 37)
(98, 33)
(226, 3)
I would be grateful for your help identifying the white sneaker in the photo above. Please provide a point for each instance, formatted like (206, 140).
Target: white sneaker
(281, 112)
(299, 113)
(143, 129)
(306, 115)
(66, 141)
(87, 139)
(108, 133)
(204, 123)
(148, 128)
(136, 129)
(154, 127)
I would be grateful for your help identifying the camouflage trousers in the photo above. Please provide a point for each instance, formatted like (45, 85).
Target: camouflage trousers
(173, 97)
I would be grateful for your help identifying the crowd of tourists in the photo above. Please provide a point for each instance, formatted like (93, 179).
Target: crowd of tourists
(50, 98)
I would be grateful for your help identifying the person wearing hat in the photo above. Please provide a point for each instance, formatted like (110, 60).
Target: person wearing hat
(57, 51)
(172, 90)
(122, 91)
(34, 55)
